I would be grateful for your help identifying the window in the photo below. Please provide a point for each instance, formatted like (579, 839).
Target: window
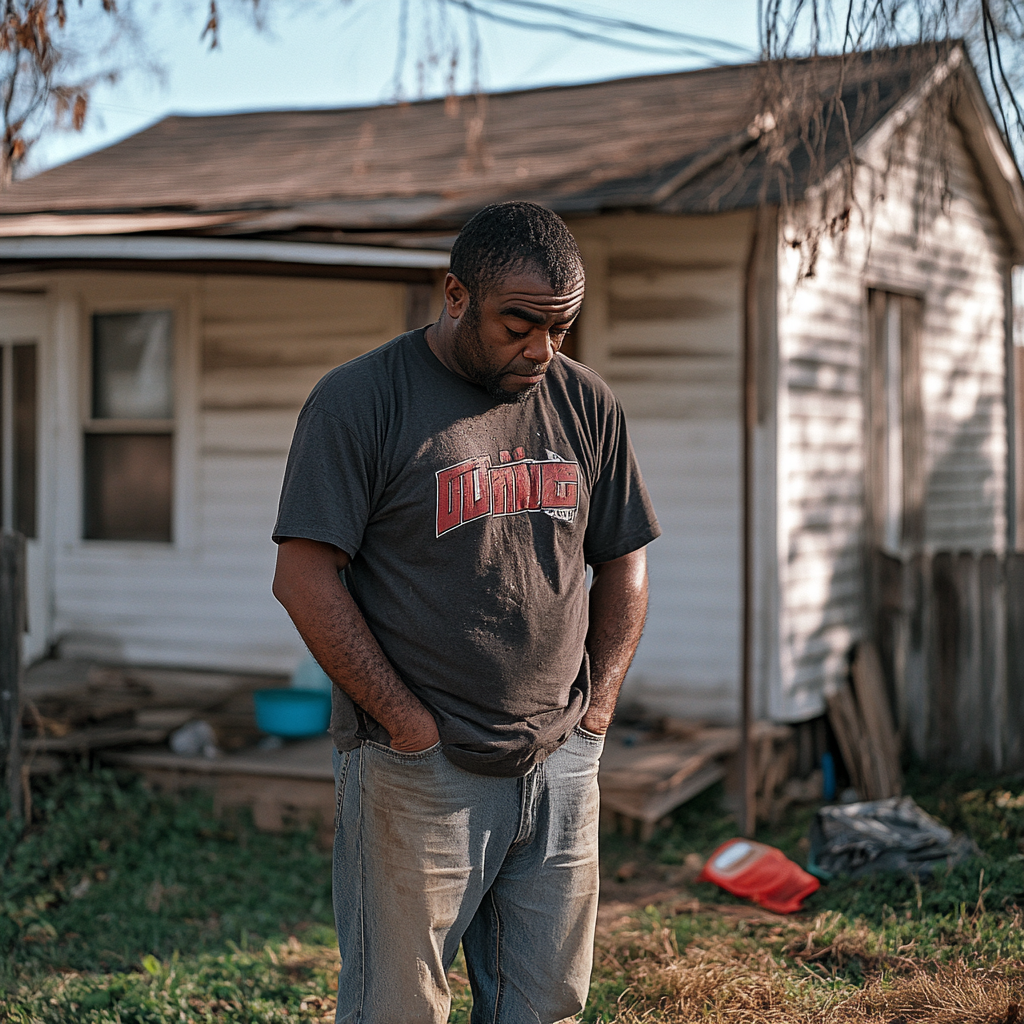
(129, 430)
(896, 425)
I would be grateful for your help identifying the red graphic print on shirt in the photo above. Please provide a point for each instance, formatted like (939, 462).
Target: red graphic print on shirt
(474, 488)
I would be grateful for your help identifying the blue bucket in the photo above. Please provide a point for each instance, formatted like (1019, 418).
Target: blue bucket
(292, 712)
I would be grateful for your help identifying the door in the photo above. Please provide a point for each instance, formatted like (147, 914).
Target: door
(21, 470)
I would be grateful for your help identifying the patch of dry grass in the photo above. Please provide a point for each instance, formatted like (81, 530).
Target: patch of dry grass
(753, 973)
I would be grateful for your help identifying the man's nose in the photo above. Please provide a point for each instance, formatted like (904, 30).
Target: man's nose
(539, 346)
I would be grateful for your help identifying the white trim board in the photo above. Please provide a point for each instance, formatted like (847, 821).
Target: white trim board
(214, 249)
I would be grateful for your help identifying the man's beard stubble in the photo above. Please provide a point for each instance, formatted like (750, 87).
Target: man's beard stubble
(465, 343)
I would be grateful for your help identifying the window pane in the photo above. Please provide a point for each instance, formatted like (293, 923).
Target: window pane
(128, 487)
(893, 375)
(132, 366)
(26, 434)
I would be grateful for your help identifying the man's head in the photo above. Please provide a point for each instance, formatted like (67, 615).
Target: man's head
(514, 287)
(509, 238)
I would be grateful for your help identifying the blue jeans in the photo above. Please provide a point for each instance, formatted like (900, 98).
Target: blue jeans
(427, 855)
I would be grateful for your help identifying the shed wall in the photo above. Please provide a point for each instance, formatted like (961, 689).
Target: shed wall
(663, 324)
(257, 347)
(952, 256)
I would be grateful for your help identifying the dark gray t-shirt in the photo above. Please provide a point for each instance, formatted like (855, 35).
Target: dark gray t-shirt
(470, 524)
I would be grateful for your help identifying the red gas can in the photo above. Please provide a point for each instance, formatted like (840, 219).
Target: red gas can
(760, 873)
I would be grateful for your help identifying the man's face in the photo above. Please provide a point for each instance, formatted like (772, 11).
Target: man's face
(505, 341)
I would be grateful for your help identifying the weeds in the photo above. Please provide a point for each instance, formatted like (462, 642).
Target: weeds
(108, 872)
(121, 906)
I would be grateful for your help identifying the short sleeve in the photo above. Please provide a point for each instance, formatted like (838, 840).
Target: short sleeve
(328, 483)
(621, 517)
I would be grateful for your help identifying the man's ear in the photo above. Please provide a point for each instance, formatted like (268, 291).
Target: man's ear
(456, 297)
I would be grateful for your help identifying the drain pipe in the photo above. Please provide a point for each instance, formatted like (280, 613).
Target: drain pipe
(748, 780)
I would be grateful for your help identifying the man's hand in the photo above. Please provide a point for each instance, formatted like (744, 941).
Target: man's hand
(618, 607)
(307, 584)
(420, 736)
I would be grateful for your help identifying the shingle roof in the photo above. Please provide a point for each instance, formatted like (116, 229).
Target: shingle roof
(680, 142)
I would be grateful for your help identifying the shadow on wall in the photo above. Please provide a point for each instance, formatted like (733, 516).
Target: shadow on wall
(965, 452)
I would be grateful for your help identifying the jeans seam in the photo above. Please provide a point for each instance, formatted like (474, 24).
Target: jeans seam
(527, 814)
(362, 909)
(497, 958)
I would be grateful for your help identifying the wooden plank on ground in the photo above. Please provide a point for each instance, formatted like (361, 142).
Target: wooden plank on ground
(303, 759)
(661, 765)
(879, 733)
(96, 737)
(293, 784)
(649, 807)
(843, 717)
(279, 803)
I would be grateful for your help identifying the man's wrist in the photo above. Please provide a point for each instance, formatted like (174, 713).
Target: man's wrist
(597, 723)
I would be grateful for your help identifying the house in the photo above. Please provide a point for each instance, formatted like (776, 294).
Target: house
(167, 303)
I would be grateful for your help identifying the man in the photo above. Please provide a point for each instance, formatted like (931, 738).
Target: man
(461, 479)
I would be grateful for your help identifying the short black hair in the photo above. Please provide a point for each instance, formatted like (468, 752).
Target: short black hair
(508, 238)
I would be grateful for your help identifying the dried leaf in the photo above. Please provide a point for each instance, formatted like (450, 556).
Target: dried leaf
(78, 113)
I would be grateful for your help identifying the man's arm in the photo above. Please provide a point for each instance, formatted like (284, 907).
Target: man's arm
(307, 584)
(618, 607)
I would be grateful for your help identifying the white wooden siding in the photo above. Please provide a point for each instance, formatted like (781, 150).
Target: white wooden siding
(955, 262)
(662, 323)
(261, 344)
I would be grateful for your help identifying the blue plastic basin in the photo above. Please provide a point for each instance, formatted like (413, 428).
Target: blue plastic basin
(292, 712)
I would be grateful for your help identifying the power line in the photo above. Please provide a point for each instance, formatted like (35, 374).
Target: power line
(621, 24)
(576, 32)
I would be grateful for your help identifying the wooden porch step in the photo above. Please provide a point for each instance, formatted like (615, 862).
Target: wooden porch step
(292, 785)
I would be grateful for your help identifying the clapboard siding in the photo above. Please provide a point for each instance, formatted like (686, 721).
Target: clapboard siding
(263, 343)
(663, 325)
(688, 659)
(266, 431)
(954, 261)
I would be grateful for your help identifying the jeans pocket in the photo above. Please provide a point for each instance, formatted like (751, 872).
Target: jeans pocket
(342, 760)
(588, 745)
(410, 757)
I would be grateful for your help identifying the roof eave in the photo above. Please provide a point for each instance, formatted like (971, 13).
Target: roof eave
(998, 169)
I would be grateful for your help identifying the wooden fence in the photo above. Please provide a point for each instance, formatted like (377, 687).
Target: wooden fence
(950, 633)
(12, 626)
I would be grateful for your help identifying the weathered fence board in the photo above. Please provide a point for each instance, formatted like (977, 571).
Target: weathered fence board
(1013, 701)
(12, 619)
(950, 632)
(992, 656)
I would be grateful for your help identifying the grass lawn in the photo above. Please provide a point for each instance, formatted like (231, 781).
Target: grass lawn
(120, 906)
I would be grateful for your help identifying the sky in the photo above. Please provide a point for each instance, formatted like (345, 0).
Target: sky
(333, 53)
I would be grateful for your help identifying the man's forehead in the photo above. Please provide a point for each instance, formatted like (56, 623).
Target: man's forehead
(533, 290)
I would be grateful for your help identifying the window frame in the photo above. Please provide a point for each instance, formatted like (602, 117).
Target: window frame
(911, 527)
(119, 293)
